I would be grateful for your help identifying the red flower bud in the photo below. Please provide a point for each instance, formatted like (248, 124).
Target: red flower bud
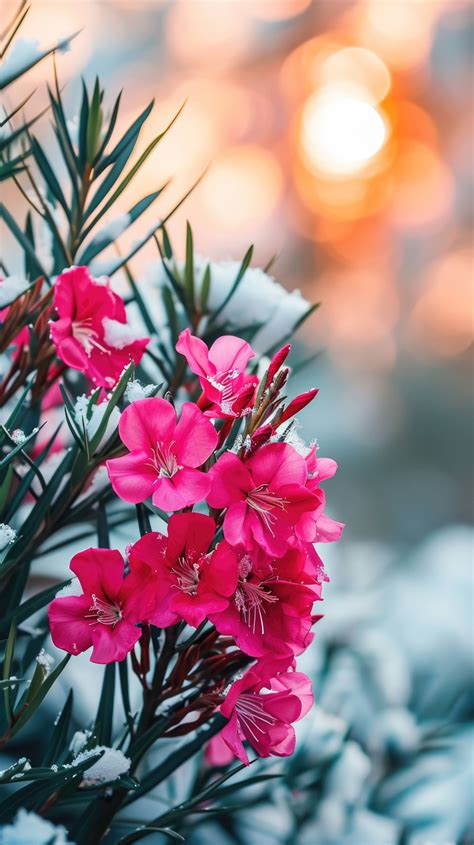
(261, 436)
(297, 404)
(278, 359)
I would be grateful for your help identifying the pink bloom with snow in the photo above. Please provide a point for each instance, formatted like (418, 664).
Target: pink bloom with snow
(264, 719)
(91, 333)
(268, 613)
(192, 581)
(106, 613)
(264, 496)
(164, 454)
(221, 372)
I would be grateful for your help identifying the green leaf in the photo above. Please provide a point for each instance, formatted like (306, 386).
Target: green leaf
(205, 288)
(189, 270)
(177, 758)
(94, 124)
(103, 239)
(243, 268)
(24, 242)
(83, 119)
(103, 723)
(32, 605)
(58, 745)
(129, 138)
(170, 309)
(117, 394)
(7, 78)
(48, 175)
(33, 704)
(7, 667)
(98, 164)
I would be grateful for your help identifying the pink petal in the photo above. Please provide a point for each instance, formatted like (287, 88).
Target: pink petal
(276, 464)
(218, 752)
(132, 477)
(148, 550)
(230, 735)
(100, 571)
(185, 488)
(196, 353)
(70, 630)
(147, 421)
(223, 570)
(230, 353)
(189, 534)
(195, 437)
(235, 524)
(68, 349)
(111, 644)
(328, 530)
(231, 481)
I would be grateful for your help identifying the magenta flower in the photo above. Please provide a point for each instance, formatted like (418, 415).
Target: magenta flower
(317, 526)
(192, 581)
(91, 333)
(263, 719)
(106, 613)
(163, 455)
(265, 496)
(267, 614)
(221, 371)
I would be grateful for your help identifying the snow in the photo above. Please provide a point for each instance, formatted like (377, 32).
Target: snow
(113, 229)
(30, 829)
(46, 661)
(22, 54)
(118, 334)
(10, 288)
(79, 740)
(18, 436)
(93, 418)
(7, 535)
(109, 767)
(136, 390)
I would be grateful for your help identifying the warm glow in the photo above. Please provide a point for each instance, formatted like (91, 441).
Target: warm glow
(441, 323)
(340, 133)
(241, 189)
(422, 188)
(360, 69)
(279, 10)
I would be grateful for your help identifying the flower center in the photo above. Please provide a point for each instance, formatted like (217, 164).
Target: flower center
(252, 715)
(263, 501)
(83, 332)
(251, 596)
(164, 460)
(104, 612)
(187, 575)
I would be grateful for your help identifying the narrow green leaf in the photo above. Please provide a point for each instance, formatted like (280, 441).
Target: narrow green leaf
(83, 119)
(48, 175)
(103, 723)
(104, 238)
(58, 745)
(94, 124)
(170, 309)
(22, 240)
(35, 702)
(7, 667)
(7, 78)
(128, 140)
(205, 288)
(189, 270)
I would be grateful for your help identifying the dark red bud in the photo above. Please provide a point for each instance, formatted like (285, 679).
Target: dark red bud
(261, 436)
(277, 361)
(297, 404)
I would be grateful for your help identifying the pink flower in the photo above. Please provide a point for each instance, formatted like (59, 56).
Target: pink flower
(106, 613)
(192, 581)
(92, 334)
(221, 371)
(265, 496)
(267, 614)
(163, 455)
(317, 526)
(263, 719)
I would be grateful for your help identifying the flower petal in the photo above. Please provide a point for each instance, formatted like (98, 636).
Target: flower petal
(70, 630)
(111, 644)
(195, 437)
(132, 477)
(147, 421)
(100, 571)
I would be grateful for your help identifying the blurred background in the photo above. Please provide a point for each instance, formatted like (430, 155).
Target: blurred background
(338, 134)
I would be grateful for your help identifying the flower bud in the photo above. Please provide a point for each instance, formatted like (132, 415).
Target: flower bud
(277, 361)
(297, 404)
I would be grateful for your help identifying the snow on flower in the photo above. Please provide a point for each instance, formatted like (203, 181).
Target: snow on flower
(107, 768)
(221, 371)
(7, 535)
(79, 333)
(30, 829)
(261, 707)
(106, 613)
(164, 454)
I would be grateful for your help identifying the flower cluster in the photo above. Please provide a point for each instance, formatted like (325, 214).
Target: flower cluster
(243, 511)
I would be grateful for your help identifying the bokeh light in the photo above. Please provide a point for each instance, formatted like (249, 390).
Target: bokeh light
(340, 133)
